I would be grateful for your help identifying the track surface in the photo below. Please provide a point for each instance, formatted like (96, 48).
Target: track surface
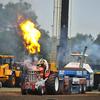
(15, 94)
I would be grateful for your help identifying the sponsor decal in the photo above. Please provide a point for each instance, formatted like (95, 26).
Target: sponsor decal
(61, 72)
(79, 72)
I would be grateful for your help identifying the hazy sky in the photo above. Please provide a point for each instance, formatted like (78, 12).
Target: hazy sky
(85, 15)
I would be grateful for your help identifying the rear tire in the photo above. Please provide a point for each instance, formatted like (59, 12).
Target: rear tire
(52, 84)
(98, 87)
(40, 90)
(70, 87)
(61, 87)
(83, 88)
(12, 81)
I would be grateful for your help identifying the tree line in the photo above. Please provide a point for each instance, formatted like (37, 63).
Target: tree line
(11, 42)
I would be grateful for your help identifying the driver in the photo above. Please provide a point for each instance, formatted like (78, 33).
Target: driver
(79, 59)
(4, 62)
(42, 63)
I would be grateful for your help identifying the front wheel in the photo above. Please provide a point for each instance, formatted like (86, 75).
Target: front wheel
(52, 84)
(83, 88)
(23, 91)
(61, 87)
(80, 88)
(12, 81)
(40, 90)
(70, 87)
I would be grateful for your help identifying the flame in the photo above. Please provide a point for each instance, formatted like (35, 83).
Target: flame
(31, 35)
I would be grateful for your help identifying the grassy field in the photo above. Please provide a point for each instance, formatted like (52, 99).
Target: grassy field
(10, 89)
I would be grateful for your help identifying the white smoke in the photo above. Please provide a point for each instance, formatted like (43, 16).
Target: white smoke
(92, 50)
(63, 50)
(35, 58)
(28, 63)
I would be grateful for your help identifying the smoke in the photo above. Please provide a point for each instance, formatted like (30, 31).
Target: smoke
(63, 51)
(28, 63)
(35, 58)
(92, 50)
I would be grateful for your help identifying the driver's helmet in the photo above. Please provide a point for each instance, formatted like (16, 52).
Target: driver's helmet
(42, 61)
(79, 58)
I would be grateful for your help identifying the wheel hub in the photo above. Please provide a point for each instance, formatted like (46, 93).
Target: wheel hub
(13, 80)
(56, 84)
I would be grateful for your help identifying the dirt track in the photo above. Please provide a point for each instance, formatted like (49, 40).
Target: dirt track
(15, 94)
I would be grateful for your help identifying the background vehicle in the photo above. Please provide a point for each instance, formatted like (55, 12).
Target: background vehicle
(89, 72)
(10, 74)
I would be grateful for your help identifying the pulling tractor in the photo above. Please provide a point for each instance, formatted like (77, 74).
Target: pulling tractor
(88, 72)
(77, 76)
(37, 80)
(10, 74)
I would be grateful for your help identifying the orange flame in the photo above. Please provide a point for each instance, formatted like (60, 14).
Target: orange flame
(31, 35)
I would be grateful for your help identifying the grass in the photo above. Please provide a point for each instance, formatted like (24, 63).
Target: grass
(10, 89)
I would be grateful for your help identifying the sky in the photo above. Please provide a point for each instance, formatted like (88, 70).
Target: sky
(85, 15)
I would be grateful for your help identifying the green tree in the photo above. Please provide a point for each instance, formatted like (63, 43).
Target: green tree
(11, 39)
(80, 40)
(97, 40)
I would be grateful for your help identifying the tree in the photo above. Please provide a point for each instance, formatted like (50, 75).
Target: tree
(97, 40)
(80, 41)
(11, 39)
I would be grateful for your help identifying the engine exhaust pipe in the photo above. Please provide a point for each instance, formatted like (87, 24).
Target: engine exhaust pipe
(82, 60)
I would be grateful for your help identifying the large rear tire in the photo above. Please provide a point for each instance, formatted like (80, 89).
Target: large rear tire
(12, 81)
(52, 84)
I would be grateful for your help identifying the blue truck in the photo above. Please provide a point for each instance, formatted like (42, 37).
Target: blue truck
(72, 81)
(87, 69)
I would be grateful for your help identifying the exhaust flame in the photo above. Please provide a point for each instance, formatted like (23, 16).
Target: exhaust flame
(31, 35)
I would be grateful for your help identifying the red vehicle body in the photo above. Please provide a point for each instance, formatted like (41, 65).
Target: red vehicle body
(35, 80)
